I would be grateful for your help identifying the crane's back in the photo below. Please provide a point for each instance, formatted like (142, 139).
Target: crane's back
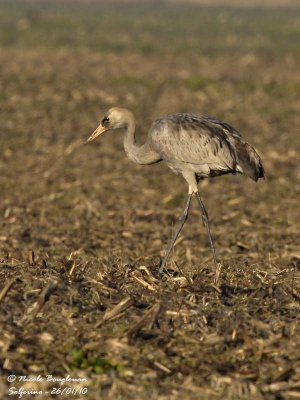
(205, 145)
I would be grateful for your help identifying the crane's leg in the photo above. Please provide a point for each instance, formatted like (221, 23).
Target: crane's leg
(206, 223)
(181, 222)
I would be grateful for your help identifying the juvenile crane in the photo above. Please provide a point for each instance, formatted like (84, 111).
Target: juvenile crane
(195, 146)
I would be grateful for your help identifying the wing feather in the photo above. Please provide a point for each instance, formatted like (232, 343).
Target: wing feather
(195, 140)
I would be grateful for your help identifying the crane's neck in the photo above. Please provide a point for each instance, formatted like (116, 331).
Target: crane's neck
(138, 154)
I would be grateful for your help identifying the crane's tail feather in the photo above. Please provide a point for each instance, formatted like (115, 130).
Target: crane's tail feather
(250, 161)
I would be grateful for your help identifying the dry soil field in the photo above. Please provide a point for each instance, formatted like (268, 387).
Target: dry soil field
(83, 228)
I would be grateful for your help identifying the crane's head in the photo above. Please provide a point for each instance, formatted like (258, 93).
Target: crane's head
(115, 118)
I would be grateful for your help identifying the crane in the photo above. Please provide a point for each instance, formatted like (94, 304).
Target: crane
(194, 146)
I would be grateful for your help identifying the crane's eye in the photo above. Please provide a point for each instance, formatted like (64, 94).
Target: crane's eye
(105, 121)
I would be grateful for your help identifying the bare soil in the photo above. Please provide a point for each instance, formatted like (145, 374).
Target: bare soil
(83, 230)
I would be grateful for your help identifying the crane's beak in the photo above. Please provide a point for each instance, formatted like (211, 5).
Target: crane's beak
(101, 129)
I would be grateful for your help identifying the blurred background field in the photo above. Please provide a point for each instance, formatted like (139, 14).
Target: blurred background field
(83, 227)
(150, 28)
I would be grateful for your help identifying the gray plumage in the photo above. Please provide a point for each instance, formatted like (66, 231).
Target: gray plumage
(195, 146)
(204, 145)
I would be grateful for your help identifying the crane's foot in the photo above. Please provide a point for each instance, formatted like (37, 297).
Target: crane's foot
(162, 270)
(162, 266)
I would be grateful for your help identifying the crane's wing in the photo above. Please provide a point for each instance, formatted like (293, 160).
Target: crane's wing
(195, 140)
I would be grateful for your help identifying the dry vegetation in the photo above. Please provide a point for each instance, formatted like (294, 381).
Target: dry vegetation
(82, 228)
